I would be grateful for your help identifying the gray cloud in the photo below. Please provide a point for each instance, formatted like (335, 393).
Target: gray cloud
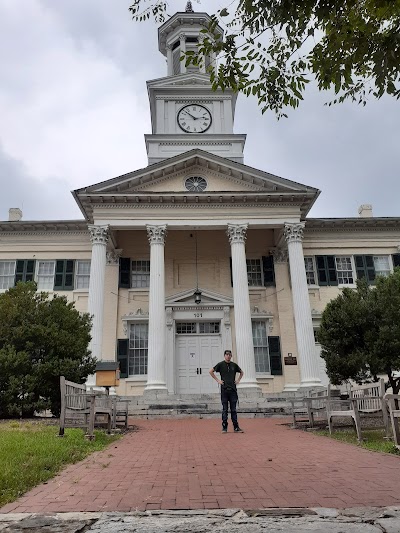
(74, 108)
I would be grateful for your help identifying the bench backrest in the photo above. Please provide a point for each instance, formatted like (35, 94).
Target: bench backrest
(369, 396)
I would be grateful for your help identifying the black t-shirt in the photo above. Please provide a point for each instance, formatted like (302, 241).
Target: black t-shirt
(228, 373)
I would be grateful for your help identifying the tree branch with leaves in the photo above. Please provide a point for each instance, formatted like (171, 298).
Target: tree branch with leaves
(273, 49)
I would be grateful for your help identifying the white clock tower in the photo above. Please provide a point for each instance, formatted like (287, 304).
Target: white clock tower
(185, 112)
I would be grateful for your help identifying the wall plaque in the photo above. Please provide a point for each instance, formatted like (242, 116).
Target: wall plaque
(290, 360)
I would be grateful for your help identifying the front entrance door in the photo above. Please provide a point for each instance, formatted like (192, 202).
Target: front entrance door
(196, 354)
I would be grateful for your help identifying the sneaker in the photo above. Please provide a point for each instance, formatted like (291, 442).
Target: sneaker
(224, 430)
(238, 430)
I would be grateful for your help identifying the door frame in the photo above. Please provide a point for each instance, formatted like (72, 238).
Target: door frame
(181, 307)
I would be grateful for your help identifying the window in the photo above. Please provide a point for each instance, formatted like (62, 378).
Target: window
(184, 328)
(82, 274)
(138, 349)
(64, 278)
(140, 276)
(260, 342)
(25, 270)
(344, 270)
(209, 327)
(382, 266)
(195, 184)
(45, 275)
(310, 270)
(7, 274)
(195, 328)
(254, 272)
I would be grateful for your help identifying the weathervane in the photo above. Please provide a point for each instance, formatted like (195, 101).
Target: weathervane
(189, 7)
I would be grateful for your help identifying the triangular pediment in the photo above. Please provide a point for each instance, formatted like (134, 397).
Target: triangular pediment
(221, 174)
(179, 80)
(207, 298)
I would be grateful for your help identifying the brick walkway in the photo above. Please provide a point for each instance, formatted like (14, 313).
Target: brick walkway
(189, 464)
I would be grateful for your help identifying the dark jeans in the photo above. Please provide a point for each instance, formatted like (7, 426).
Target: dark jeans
(231, 397)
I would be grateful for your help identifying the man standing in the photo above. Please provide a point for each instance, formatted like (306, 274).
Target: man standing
(228, 382)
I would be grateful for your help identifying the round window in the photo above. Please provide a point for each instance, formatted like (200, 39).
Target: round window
(195, 184)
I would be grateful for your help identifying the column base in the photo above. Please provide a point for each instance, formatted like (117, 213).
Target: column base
(249, 391)
(291, 387)
(155, 393)
(311, 382)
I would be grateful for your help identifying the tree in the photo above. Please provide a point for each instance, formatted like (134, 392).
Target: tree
(273, 48)
(41, 338)
(360, 332)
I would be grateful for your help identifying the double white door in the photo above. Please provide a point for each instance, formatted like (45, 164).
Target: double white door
(196, 354)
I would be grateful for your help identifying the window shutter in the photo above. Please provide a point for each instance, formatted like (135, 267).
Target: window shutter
(69, 275)
(124, 273)
(396, 260)
(365, 267)
(25, 270)
(326, 269)
(64, 276)
(275, 359)
(268, 270)
(230, 266)
(29, 270)
(122, 357)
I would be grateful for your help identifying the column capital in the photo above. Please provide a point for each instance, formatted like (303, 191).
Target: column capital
(99, 234)
(113, 256)
(237, 233)
(156, 234)
(280, 255)
(182, 36)
(293, 232)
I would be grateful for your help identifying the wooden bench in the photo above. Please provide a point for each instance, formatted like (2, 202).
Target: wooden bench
(310, 406)
(119, 412)
(393, 402)
(79, 408)
(365, 399)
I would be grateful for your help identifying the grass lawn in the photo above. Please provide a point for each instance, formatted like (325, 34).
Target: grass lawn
(373, 439)
(31, 452)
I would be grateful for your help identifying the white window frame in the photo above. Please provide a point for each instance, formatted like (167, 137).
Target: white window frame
(353, 271)
(314, 270)
(79, 276)
(133, 348)
(260, 262)
(37, 276)
(389, 261)
(139, 272)
(266, 326)
(3, 276)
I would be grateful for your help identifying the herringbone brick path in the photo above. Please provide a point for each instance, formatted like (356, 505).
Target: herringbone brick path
(189, 464)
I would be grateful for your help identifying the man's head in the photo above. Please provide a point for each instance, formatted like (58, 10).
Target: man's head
(227, 355)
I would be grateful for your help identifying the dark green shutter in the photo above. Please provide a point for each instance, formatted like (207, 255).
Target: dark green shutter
(25, 270)
(230, 266)
(124, 273)
(64, 277)
(269, 271)
(396, 260)
(326, 270)
(365, 267)
(275, 357)
(122, 357)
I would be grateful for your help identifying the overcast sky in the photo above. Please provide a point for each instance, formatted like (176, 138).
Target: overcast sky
(74, 109)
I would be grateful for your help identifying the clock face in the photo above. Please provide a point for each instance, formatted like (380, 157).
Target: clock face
(194, 118)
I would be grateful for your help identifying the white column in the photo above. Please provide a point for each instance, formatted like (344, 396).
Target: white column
(169, 60)
(156, 350)
(99, 236)
(182, 38)
(309, 371)
(241, 299)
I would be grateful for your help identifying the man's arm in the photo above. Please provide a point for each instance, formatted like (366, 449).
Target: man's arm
(237, 381)
(212, 374)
